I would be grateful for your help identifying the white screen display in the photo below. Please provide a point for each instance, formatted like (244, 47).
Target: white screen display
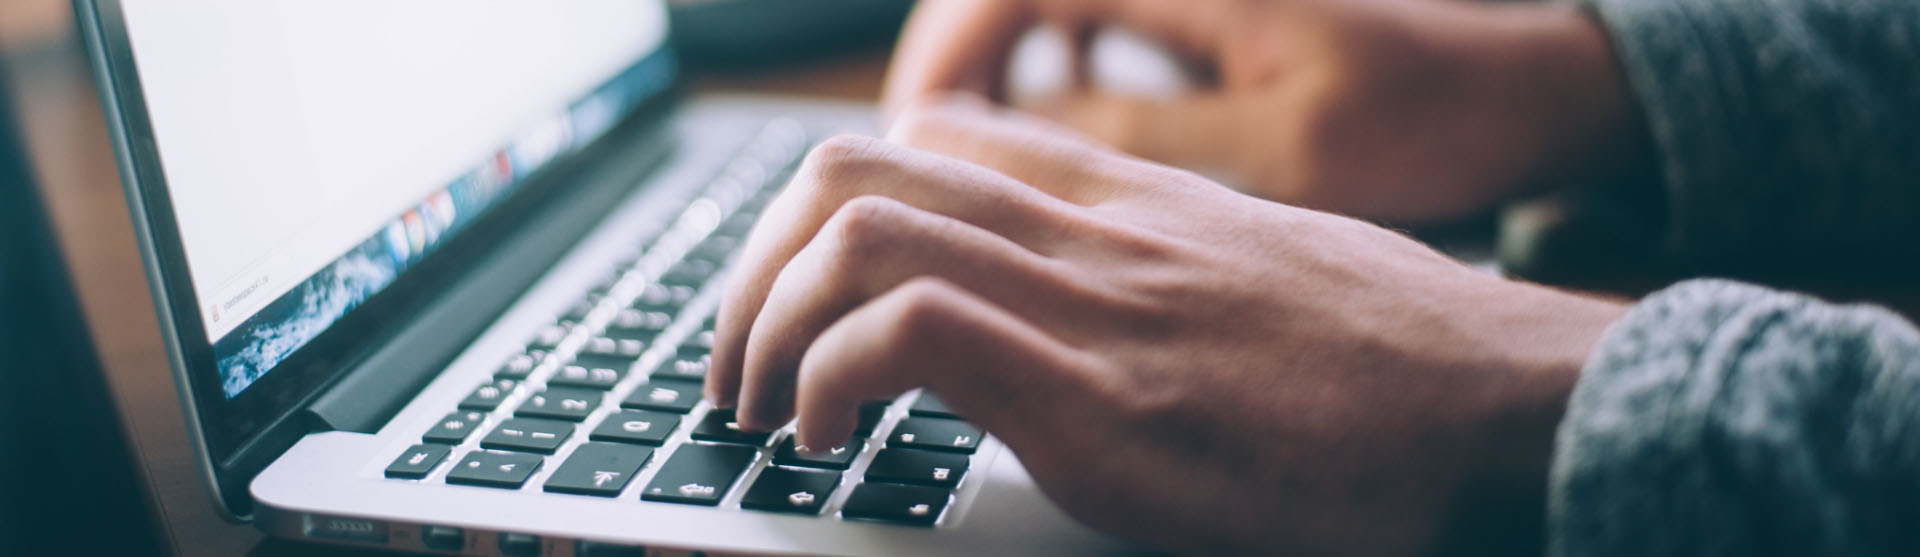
(292, 132)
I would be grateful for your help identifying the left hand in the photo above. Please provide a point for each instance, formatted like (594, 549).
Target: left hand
(1253, 377)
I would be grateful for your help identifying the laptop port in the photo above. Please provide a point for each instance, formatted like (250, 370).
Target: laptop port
(443, 538)
(519, 545)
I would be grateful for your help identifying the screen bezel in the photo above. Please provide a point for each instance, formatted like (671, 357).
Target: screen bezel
(221, 428)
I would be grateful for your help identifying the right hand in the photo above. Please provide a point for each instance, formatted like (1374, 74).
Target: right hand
(1403, 110)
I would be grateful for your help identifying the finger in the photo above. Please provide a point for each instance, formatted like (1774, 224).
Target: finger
(1029, 149)
(871, 245)
(837, 171)
(1198, 129)
(1004, 374)
(963, 45)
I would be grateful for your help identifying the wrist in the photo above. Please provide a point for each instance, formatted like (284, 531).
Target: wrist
(1553, 88)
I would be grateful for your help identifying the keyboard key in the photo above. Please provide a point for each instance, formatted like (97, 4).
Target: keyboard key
(506, 470)
(871, 414)
(601, 469)
(417, 461)
(638, 325)
(668, 299)
(528, 434)
(719, 426)
(691, 272)
(454, 429)
(908, 466)
(903, 504)
(931, 406)
(560, 403)
(837, 458)
(665, 396)
(589, 377)
(694, 371)
(935, 434)
(549, 337)
(636, 426)
(790, 491)
(699, 474)
(488, 396)
(613, 347)
(692, 351)
(715, 249)
(520, 366)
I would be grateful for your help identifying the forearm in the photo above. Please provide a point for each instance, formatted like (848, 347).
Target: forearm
(1786, 132)
(1723, 419)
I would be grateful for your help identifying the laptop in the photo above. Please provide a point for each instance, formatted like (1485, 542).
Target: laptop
(439, 276)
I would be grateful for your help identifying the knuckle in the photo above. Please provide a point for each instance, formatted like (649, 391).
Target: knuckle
(922, 311)
(924, 122)
(840, 158)
(865, 229)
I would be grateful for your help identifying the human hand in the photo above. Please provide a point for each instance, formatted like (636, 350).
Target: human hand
(1405, 110)
(1173, 362)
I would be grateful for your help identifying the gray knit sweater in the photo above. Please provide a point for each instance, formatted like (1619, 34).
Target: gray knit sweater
(1723, 419)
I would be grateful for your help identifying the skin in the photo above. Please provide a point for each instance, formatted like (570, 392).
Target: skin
(1076, 301)
(1253, 377)
(1401, 110)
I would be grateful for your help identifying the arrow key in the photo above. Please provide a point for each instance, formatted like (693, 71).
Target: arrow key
(601, 469)
(786, 490)
(837, 458)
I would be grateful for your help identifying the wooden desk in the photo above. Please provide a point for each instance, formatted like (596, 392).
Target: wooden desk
(75, 162)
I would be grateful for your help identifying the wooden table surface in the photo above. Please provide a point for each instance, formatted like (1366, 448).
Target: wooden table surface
(70, 150)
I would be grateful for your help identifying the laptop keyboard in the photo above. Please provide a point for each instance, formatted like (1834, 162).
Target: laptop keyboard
(609, 396)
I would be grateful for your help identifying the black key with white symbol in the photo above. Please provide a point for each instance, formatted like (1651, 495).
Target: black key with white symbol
(790, 491)
(837, 458)
(935, 434)
(903, 504)
(454, 429)
(549, 337)
(699, 474)
(908, 466)
(488, 396)
(871, 413)
(664, 298)
(482, 468)
(520, 366)
(719, 426)
(417, 461)
(560, 403)
(636, 426)
(528, 434)
(665, 396)
(931, 406)
(680, 369)
(513, 544)
(601, 469)
(590, 377)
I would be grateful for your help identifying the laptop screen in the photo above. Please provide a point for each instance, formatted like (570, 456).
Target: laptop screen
(313, 151)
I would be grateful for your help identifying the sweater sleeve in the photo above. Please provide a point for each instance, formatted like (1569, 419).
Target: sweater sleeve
(1723, 419)
(1787, 131)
